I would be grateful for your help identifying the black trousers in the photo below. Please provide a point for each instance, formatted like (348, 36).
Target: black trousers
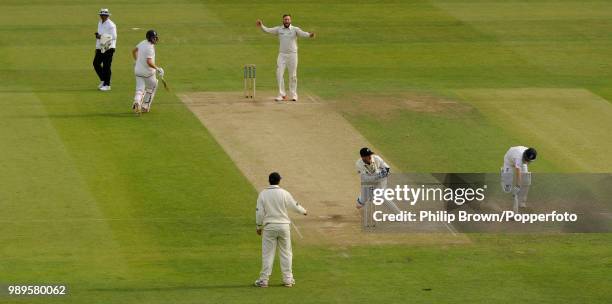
(102, 64)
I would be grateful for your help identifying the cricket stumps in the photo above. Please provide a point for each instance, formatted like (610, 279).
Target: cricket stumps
(250, 73)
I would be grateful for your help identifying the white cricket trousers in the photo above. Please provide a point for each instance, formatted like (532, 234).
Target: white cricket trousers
(368, 184)
(145, 90)
(287, 61)
(276, 235)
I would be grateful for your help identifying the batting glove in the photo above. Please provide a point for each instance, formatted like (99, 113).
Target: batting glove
(160, 71)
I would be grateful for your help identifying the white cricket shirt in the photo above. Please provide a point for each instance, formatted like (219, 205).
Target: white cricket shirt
(287, 37)
(145, 50)
(514, 157)
(272, 205)
(374, 167)
(107, 27)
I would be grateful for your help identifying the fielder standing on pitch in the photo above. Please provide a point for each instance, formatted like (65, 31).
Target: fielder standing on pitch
(273, 223)
(106, 41)
(515, 175)
(287, 55)
(145, 69)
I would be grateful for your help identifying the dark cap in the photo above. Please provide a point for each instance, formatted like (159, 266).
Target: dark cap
(365, 152)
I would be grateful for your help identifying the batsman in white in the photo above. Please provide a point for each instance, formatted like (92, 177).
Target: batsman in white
(273, 222)
(287, 55)
(373, 171)
(145, 69)
(515, 175)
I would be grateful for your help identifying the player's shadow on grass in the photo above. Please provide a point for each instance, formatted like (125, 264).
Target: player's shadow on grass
(173, 288)
(71, 116)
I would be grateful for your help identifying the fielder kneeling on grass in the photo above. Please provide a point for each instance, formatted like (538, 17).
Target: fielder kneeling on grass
(515, 175)
(273, 225)
(144, 69)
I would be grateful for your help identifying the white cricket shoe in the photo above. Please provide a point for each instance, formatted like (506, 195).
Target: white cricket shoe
(289, 283)
(105, 88)
(136, 108)
(101, 84)
(280, 98)
(294, 98)
(523, 205)
(260, 283)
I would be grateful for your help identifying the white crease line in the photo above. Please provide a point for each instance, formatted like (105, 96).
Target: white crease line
(297, 230)
(450, 228)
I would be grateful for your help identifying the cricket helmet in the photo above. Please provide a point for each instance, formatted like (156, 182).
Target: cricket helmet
(151, 35)
(104, 12)
(530, 155)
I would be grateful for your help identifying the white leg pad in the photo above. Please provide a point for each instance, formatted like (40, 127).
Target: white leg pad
(525, 184)
(506, 179)
(525, 179)
(150, 89)
(140, 90)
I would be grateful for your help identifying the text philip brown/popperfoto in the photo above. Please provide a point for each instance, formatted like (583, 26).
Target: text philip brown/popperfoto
(460, 196)
(463, 216)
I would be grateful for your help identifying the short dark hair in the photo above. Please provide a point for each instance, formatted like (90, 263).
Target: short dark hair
(286, 15)
(530, 154)
(365, 151)
(274, 178)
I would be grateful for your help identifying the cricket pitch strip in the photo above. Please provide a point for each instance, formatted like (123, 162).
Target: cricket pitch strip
(313, 148)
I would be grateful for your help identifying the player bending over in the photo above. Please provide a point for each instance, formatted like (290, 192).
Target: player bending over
(373, 172)
(515, 175)
(144, 69)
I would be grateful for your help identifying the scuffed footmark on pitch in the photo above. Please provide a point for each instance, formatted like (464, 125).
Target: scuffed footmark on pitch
(313, 147)
(384, 105)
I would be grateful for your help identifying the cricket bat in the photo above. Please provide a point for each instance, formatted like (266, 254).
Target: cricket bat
(165, 83)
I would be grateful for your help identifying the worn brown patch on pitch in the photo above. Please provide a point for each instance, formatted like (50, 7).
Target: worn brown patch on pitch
(314, 148)
(392, 104)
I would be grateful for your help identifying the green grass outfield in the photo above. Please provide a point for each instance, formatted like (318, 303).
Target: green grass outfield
(151, 210)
